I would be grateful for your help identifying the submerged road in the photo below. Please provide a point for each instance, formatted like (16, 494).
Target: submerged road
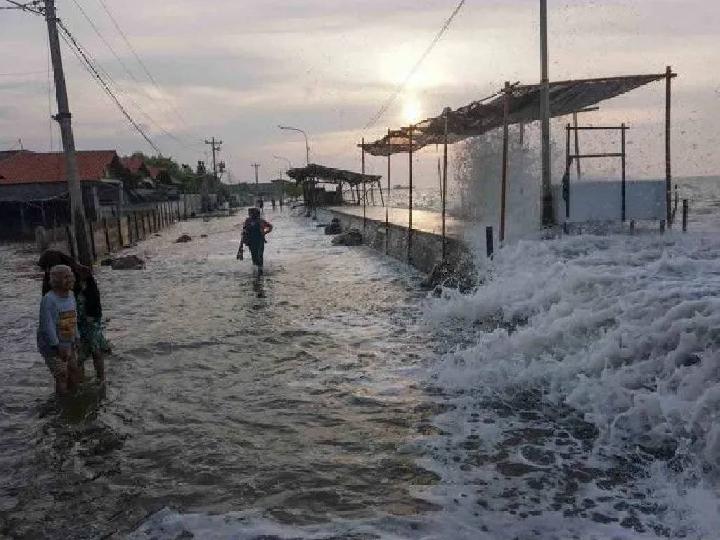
(316, 403)
(286, 394)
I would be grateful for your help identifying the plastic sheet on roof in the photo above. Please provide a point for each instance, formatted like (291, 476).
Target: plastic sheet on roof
(485, 115)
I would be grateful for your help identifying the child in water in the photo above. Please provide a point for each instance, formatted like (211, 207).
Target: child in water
(58, 335)
(253, 236)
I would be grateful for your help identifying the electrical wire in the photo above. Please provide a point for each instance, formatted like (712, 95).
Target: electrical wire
(391, 99)
(93, 70)
(139, 60)
(127, 70)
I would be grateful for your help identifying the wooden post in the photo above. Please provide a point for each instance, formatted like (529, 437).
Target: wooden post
(668, 158)
(119, 227)
(410, 192)
(70, 242)
(443, 193)
(577, 143)
(622, 181)
(684, 215)
(387, 210)
(42, 212)
(506, 135)
(632, 226)
(143, 215)
(129, 227)
(107, 235)
(93, 248)
(382, 199)
(662, 226)
(489, 242)
(566, 177)
(137, 228)
(364, 202)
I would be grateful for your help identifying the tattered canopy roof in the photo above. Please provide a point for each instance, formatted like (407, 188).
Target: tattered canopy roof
(329, 174)
(482, 116)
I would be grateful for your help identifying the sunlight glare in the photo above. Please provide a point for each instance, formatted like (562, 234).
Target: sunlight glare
(411, 111)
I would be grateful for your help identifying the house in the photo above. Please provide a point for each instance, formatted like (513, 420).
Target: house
(34, 190)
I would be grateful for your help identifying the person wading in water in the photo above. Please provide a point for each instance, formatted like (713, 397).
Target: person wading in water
(253, 236)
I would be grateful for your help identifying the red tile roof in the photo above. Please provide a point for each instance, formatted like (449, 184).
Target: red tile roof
(31, 168)
(155, 172)
(133, 163)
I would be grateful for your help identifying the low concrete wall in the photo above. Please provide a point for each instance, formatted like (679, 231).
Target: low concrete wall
(422, 250)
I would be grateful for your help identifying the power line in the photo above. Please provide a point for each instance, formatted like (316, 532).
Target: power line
(85, 60)
(130, 74)
(391, 99)
(139, 60)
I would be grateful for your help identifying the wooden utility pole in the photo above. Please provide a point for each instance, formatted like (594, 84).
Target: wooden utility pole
(215, 145)
(80, 239)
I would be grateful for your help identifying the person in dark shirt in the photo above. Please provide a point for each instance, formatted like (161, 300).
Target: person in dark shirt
(253, 236)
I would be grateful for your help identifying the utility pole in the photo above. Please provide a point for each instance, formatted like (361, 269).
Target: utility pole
(63, 118)
(215, 145)
(547, 208)
(256, 166)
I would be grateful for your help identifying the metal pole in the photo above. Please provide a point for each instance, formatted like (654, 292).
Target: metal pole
(622, 184)
(577, 143)
(443, 193)
(547, 208)
(63, 118)
(668, 157)
(410, 191)
(506, 136)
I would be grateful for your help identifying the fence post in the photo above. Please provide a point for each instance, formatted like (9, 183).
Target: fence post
(662, 226)
(137, 228)
(92, 240)
(71, 245)
(489, 246)
(107, 235)
(120, 234)
(685, 215)
(129, 226)
(143, 216)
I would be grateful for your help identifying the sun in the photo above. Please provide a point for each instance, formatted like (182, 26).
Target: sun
(412, 111)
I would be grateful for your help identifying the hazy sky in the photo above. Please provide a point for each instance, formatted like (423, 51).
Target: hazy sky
(235, 69)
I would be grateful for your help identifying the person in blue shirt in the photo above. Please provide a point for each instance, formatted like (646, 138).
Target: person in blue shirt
(58, 335)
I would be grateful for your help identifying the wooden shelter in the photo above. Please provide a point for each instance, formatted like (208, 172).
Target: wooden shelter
(514, 104)
(313, 174)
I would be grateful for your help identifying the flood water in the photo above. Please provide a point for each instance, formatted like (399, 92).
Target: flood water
(285, 394)
(333, 398)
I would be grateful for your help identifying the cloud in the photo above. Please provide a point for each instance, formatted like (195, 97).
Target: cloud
(236, 69)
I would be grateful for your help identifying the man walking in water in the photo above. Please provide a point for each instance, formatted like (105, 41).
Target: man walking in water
(253, 236)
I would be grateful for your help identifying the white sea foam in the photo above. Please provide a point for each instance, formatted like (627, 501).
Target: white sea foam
(624, 329)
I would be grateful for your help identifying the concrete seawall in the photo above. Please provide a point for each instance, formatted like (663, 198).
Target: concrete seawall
(422, 250)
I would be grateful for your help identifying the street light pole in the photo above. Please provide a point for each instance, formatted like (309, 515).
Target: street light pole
(307, 145)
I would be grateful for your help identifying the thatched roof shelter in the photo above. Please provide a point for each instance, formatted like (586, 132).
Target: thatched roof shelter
(320, 173)
(485, 115)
